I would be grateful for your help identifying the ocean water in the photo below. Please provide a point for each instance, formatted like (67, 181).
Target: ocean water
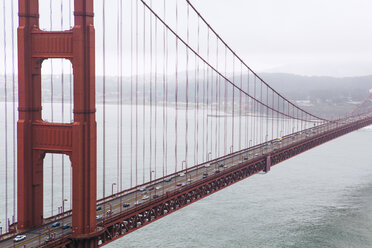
(321, 198)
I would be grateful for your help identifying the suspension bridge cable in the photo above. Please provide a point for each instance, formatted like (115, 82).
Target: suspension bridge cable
(208, 64)
(155, 96)
(144, 96)
(208, 25)
(5, 117)
(131, 93)
(137, 65)
(118, 105)
(164, 95)
(52, 104)
(187, 91)
(71, 96)
(13, 112)
(150, 41)
(120, 175)
(104, 97)
(176, 97)
(63, 112)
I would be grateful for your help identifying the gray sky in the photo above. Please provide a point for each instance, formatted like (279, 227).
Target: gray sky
(317, 37)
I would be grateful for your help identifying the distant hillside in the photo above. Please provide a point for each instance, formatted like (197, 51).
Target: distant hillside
(303, 87)
(325, 96)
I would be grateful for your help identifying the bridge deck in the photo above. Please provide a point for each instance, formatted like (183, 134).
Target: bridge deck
(131, 209)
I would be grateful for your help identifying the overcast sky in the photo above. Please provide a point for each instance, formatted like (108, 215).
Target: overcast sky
(317, 37)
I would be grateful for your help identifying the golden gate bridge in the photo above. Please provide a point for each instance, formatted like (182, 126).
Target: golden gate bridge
(180, 116)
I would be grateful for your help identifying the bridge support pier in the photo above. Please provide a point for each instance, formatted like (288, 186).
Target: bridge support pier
(268, 164)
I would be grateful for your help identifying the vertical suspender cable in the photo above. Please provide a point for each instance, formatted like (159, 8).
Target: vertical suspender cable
(203, 118)
(118, 105)
(156, 92)
(207, 126)
(131, 93)
(144, 96)
(137, 64)
(63, 113)
(176, 94)
(225, 108)
(6, 123)
(104, 97)
(164, 99)
(166, 93)
(240, 107)
(277, 119)
(195, 111)
(216, 105)
(187, 91)
(233, 109)
(261, 115)
(246, 112)
(51, 102)
(197, 80)
(272, 115)
(14, 111)
(267, 115)
(121, 95)
(254, 112)
(219, 105)
(150, 40)
(70, 79)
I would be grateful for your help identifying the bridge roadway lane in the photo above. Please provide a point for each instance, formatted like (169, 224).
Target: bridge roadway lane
(37, 236)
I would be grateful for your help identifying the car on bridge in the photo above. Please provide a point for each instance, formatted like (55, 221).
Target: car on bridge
(48, 239)
(149, 188)
(66, 226)
(56, 224)
(19, 238)
(125, 205)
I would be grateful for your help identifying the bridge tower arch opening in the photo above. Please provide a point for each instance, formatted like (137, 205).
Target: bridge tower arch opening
(36, 137)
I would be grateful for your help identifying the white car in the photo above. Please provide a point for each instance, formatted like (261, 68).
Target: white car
(19, 238)
(182, 174)
(189, 180)
(158, 187)
(207, 165)
(145, 197)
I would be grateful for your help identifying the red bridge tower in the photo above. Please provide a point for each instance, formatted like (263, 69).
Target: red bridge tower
(37, 137)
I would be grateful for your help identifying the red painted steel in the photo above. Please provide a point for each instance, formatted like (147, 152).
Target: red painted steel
(37, 137)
